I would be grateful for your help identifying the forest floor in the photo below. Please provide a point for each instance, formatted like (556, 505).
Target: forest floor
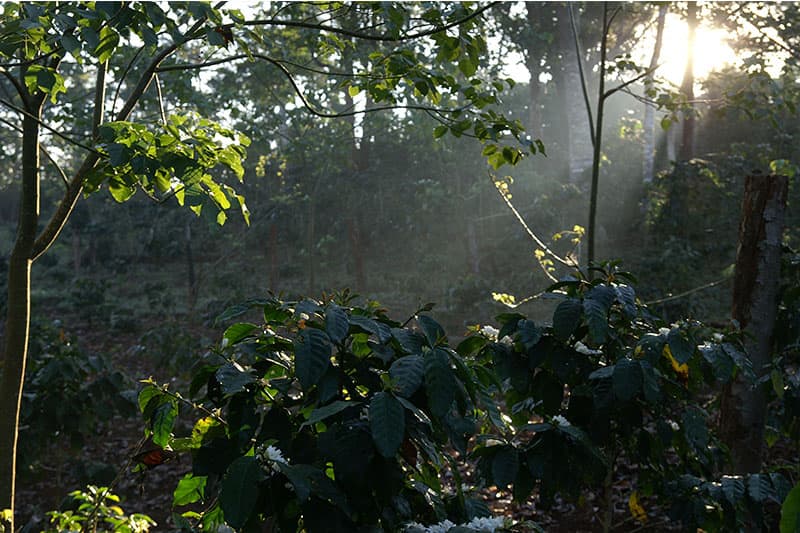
(108, 457)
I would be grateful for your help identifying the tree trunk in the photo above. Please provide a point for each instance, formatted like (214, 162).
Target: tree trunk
(755, 300)
(649, 147)
(687, 85)
(273, 257)
(598, 143)
(578, 128)
(191, 276)
(532, 61)
(15, 351)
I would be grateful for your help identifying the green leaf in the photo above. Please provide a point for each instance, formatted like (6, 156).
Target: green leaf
(627, 379)
(733, 489)
(308, 480)
(163, 421)
(312, 356)
(233, 378)
(120, 192)
(759, 487)
(529, 334)
(440, 131)
(353, 91)
(189, 490)
(695, 429)
(567, 318)
(431, 329)
(239, 491)
(682, 349)
(331, 409)
(505, 465)
(238, 331)
(407, 374)
(596, 319)
(650, 386)
(147, 394)
(109, 39)
(387, 423)
(790, 512)
(440, 383)
(721, 363)
(336, 323)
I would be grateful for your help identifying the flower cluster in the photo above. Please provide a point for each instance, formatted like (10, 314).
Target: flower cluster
(483, 524)
(585, 350)
(268, 457)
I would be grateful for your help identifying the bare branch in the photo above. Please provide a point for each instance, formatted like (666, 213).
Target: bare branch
(15, 82)
(46, 126)
(528, 230)
(631, 81)
(308, 105)
(367, 36)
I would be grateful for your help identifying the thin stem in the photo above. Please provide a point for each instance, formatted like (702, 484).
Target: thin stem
(601, 98)
(44, 125)
(367, 36)
(584, 87)
(528, 230)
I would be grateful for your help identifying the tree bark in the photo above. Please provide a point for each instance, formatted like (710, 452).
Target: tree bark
(755, 300)
(649, 150)
(19, 308)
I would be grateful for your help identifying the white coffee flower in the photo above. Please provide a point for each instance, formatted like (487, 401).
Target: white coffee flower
(561, 421)
(486, 523)
(269, 457)
(490, 332)
(585, 350)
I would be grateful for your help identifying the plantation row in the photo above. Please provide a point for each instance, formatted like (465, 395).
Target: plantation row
(330, 417)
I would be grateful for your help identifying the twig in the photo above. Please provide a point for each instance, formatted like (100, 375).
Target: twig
(690, 291)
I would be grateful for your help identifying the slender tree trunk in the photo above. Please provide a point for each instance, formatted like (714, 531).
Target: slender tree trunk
(533, 59)
(649, 111)
(598, 142)
(273, 257)
(311, 245)
(579, 129)
(687, 85)
(755, 300)
(18, 317)
(191, 276)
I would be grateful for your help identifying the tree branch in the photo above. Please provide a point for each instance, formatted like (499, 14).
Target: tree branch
(631, 81)
(366, 36)
(46, 126)
(67, 203)
(308, 105)
(15, 82)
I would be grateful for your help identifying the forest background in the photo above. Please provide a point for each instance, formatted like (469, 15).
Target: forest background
(405, 206)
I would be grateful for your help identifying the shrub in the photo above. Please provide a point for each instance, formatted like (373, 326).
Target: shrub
(324, 417)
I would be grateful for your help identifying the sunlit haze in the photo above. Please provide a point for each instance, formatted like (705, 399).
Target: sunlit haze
(711, 50)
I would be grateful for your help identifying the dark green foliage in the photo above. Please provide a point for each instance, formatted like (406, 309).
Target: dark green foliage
(609, 380)
(329, 416)
(68, 392)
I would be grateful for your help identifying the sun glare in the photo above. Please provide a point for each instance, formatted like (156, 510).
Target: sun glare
(711, 50)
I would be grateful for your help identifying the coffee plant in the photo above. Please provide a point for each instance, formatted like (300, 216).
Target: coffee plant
(68, 393)
(607, 383)
(96, 509)
(325, 417)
